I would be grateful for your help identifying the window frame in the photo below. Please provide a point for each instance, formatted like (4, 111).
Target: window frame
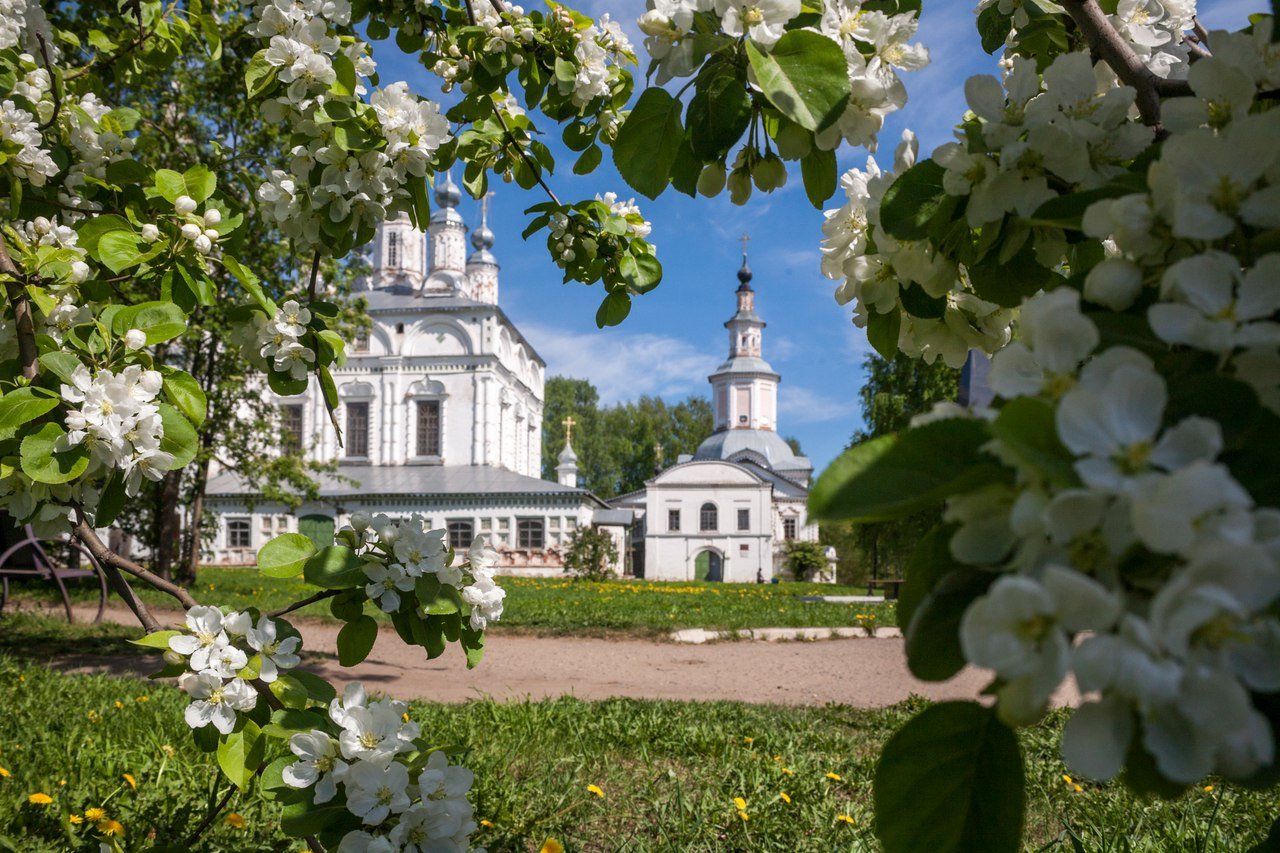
(290, 437)
(744, 518)
(237, 525)
(790, 529)
(393, 249)
(673, 520)
(708, 518)
(350, 444)
(525, 529)
(454, 526)
(418, 434)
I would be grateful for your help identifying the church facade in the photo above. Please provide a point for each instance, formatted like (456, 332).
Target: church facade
(726, 512)
(441, 408)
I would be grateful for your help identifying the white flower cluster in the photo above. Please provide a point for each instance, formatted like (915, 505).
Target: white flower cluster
(200, 229)
(876, 46)
(628, 210)
(368, 759)
(218, 649)
(277, 340)
(30, 162)
(397, 553)
(368, 184)
(42, 231)
(873, 280)
(115, 415)
(600, 50)
(95, 148)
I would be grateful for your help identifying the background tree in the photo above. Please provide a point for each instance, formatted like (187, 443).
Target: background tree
(590, 554)
(896, 390)
(805, 559)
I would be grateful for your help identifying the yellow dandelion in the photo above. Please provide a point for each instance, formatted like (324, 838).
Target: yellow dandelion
(777, 758)
(237, 820)
(844, 818)
(785, 797)
(95, 814)
(119, 705)
(142, 698)
(130, 781)
(835, 777)
(110, 827)
(1207, 788)
(1077, 788)
(788, 771)
(1067, 779)
(551, 845)
(62, 783)
(595, 789)
(74, 819)
(748, 740)
(743, 815)
(4, 774)
(487, 824)
(739, 803)
(39, 798)
(405, 717)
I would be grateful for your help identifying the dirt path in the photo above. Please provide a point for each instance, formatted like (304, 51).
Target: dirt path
(860, 672)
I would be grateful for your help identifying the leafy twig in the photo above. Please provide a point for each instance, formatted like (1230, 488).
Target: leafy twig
(24, 323)
(298, 605)
(53, 85)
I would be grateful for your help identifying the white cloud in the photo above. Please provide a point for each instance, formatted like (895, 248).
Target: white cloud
(798, 405)
(624, 365)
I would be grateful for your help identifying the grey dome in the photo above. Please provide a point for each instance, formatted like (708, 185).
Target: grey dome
(760, 445)
(447, 192)
(482, 237)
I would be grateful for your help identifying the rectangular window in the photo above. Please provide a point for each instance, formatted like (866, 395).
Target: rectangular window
(357, 437)
(239, 533)
(744, 519)
(291, 426)
(461, 533)
(529, 533)
(788, 528)
(673, 520)
(708, 518)
(428, 427)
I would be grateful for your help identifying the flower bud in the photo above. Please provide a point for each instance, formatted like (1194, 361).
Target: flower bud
(150, 233)
(793, 141)
(769, 173)
(517, 59)
(360, 521)
(135, 339)
(711, 181)
(79, 271)
(739, 184)
(172, 658)
(184, 204)
(41, 224)
(203, 244)
(212, 217)
(191, 231)
(212, 234)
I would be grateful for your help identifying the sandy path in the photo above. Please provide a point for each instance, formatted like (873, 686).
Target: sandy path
(861, 672)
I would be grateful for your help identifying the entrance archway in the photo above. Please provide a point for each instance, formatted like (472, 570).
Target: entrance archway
(708, 566)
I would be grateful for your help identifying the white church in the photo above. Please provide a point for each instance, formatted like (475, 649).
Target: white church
(441, 407)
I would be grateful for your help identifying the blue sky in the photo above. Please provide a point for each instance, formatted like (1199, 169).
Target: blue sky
(674, 336)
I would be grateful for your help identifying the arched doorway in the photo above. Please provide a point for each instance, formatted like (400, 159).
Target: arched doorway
(708, 566)
(317, 528)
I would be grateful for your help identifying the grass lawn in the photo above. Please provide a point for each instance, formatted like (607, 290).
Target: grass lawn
(565, 606)
(669, 772)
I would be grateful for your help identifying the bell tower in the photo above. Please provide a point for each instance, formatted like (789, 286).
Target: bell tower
(745, 388)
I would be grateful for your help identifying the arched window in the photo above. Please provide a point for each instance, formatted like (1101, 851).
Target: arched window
(393, 249)
(708, 518)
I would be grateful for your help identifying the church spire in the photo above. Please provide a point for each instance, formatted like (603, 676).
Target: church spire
(482, 266)
(567, 470)
(745, 387)
(447, 237)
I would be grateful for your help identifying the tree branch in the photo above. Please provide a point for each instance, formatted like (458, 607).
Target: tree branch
(1111, 47)
(53, 85)
(107, 557)
(130, 598)
(211, 816)
(25, 326)
(315, 271)
(311, 599)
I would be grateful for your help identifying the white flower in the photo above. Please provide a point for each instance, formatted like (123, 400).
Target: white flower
(482, 555)
(485, 598)
(215, 702)
(225, 660)
(205, 624)
(190, 231)
(386, 582)
(376, 791)
(135, 339)
(1200, 503)
(184, 204)
(762, 21)
(1115, 283)
(1216, 306)
(1055, 338)
(359, 841)
(276, 654)
(419, 551)
(374, 732)
(320, 764)
(1020, 627)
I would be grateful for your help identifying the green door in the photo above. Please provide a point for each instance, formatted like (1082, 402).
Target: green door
(317, 528)
(707, 566)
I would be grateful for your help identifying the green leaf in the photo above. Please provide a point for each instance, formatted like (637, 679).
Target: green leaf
(290, 693)
(614, 309)
(179, 438)
(818, 168)
(284, 556)
(61, 364)
(260, 74)
(1066, 211)
(806, 76)
(42, 463)
(356, 640)
(933, 636)
(249, 282)
(473, 646)
(170, 184)
(303, 818)
(161, 321)
(271, 783)
(590, 159)
(929, 561)
(912, 200)
(1025, 426)
(895, 475)
(23, 405)
(317, 688)
(240, 754)
(181, 389)
(648, 142)
(335, 567)
(156, 640)
(200, 182)
(950, 781)
(119, 250)
(883, 331)
(994, 28)
(111, 500)
(1008, 283)
(345, 84)
(90, 231)
(719, 113)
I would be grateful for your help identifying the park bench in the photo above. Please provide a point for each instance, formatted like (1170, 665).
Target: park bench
(42, 567)
(890, 586)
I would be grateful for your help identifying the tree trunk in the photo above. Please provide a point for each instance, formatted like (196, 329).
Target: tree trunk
(167, 526)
